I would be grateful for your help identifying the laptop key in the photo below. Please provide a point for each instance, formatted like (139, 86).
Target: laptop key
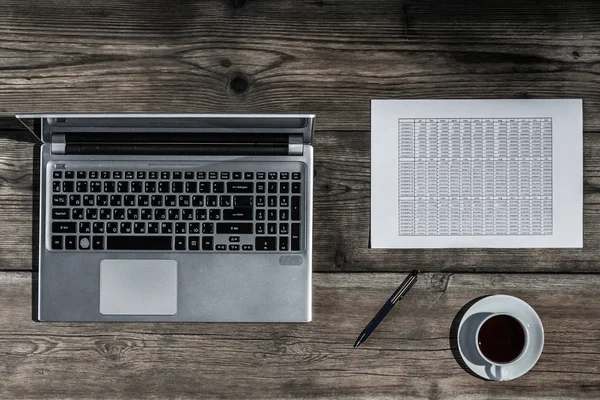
(242, 201)
(218, 187)
(207, 242)
(75, 200)
(98, 242)
(57, 242)
(134, 242)
(81, 187)
(136, 187)
(85, 227)
(98, 227)
(238, 214)
(71, 242)
(69, 174)
(198, 201)
(171, 200)
(207, 227)
(295, 208)
(204, 187)
(102, 200)
(180, 242)
(61, 213)
(109, 187)
(191, 187)
(247, 247)
(56, 186)
(187, 214)
(122, 186)
(59, 200)
(163, 187)
(150, 187)
(265, 243)
(221, 247)
(234, 228)
(64, 227)
(112, 227)
(295, 187)
(125, 227)
(283, 243)
(166, 227)
(272, 228)
(143, 200)
(225, 201)
(139, 227)
(88, 200)
(194, 242)
(105, 213)
(84, 243)
(177, 187)
(194, 227)
(68, 186)
(295, 242)
(234, 247)
(95, 186)
(201, 214)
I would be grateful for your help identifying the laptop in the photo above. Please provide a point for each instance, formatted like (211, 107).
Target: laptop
(175, 217)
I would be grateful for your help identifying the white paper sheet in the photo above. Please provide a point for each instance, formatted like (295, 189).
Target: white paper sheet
(476, 173)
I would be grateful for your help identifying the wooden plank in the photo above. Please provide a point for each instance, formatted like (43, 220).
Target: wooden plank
(330, 57)
(410, 355)
(341, 215)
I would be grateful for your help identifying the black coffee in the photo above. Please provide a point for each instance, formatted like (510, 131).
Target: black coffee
(501, 339)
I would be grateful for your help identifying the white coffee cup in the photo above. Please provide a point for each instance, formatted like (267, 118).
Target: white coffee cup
(502, 369)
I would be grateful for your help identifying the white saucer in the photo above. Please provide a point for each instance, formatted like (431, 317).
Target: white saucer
(499, 304)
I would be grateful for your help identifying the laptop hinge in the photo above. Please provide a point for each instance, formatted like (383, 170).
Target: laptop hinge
(59, 145)
(63, 145)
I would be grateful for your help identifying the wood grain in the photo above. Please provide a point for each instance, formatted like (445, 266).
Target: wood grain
(341, 215)
(330, 57)
(410, 355)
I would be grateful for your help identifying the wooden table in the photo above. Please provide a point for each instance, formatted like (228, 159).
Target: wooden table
(329, 57)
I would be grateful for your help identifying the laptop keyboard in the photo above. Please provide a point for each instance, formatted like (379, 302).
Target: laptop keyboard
(175, 210)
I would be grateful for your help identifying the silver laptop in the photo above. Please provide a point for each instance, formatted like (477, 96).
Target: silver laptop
(175, 217)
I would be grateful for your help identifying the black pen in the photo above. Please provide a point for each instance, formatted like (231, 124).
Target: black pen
(398, 295)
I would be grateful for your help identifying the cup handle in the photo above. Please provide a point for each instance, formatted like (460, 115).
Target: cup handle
(502, 372)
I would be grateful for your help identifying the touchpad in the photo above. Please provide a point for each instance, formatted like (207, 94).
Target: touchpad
(138, 287)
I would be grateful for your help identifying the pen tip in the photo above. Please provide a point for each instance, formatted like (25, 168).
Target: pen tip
(356, 344)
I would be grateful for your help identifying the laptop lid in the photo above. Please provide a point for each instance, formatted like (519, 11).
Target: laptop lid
(243, 134)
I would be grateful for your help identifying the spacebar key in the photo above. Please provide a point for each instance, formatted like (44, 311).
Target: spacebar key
(138, 243)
